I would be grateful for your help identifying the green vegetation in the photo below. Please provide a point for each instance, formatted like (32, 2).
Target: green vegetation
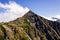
(2, 28)
(4, 31)
(1, 38)
(26, 24)
(25, 38)
(25, 21)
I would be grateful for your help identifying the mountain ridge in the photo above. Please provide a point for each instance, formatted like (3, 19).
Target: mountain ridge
(30, 27)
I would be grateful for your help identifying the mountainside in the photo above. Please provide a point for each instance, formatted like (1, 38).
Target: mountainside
(30, 27)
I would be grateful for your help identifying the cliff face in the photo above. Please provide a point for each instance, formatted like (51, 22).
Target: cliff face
(30, 27)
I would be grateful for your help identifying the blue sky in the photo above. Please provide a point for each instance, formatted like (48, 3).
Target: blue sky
(46, 8)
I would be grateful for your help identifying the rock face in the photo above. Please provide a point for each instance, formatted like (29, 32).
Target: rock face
(30, 27)
(58, 20)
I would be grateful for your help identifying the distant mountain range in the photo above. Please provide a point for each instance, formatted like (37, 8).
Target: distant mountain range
(30, 27)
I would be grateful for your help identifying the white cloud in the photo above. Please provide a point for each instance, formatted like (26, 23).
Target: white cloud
(57, 16)
(12, 12)
(54, 18)
(49, 18)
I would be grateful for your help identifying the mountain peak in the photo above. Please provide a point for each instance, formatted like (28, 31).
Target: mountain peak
(30, 27)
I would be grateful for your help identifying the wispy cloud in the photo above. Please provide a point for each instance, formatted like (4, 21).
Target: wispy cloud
(52, 18)
(49, 18)
(13, 11)
(57, 16)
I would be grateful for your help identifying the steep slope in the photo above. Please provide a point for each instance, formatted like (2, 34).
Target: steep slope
(30, 27)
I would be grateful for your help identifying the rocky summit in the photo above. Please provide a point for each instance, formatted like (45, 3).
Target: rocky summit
(30, 27)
